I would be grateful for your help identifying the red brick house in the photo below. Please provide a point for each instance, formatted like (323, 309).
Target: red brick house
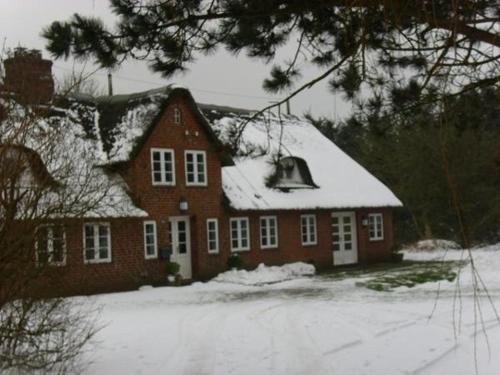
(198, 183)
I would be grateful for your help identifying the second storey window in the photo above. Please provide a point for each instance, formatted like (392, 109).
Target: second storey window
(376, 227)
(196, 168)
(308, 229)
(213, 236)
(240, 237)
(268, 232)
(51, 245)
(150, 243)
(97, 243)
(163, 166)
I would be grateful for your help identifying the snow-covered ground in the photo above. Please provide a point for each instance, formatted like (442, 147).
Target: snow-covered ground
(326, 324)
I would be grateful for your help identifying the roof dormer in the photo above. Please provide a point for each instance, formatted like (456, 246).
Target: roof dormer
(293, 173)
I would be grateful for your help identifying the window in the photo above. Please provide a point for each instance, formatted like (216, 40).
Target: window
(268, 232)
(51, 245)
(196, 168)
(163, 166)
(177, 115)
(213, 236)
(150, 244)
(308, 229)
(376, 227)
(240, 237)
(97, 243)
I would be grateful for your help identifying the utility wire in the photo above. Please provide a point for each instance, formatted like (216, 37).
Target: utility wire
(158, 85)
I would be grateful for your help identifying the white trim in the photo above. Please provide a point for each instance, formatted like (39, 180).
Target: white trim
(238, 229)
(376, 236)
(195, 167)
(216, 250)
(98, 260)
(177, 115)
(268, 219)
(155, 254)
(50, 243)
(308, 233)
(162, 152)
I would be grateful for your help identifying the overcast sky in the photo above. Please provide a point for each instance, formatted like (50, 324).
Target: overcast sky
(219, 79)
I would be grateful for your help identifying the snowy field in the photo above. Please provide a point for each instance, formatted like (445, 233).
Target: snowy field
(356, 322)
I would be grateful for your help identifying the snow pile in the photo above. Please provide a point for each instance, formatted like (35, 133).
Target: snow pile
(341, 181)
(266, 274)
(433, 244)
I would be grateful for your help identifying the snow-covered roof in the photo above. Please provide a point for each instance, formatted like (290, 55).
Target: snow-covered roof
(340, 181)
(108, 130)
(65, 139)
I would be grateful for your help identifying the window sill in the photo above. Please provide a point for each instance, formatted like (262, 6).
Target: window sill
(265, 248)
(309, 244)
(162, 185)
(376, 239)
(104, 261)
(240, 250)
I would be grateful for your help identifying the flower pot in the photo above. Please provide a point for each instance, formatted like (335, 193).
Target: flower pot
(171, 278)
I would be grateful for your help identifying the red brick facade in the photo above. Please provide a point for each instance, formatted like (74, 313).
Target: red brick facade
(129, 268)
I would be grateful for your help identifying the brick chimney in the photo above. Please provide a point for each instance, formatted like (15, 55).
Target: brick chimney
(29, 76)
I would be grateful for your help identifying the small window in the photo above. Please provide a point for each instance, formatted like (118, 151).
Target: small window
(97, 243)
(213, 236)
(177, 115)
(240, 236)
(163, 166)
(308, 229)
(150, 242)
(376, 227)
(51, 245)
(268, 232)
(196, 168)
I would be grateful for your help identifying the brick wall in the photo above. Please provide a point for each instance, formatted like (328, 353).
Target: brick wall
(29, 76)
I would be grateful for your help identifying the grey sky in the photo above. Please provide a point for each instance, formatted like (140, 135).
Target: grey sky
(219, 79)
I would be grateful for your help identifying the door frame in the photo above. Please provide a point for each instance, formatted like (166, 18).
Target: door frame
(340, 258)
(185, 260)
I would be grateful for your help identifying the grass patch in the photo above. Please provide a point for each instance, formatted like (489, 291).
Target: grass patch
(412, 275)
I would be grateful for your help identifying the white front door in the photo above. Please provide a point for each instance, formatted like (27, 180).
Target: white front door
(344, 239)
(180, 239)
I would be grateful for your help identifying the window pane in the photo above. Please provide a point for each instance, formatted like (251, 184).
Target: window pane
(89, 254)
(156, 156)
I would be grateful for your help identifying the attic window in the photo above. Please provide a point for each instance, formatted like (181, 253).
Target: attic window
(293, 173)
(177, 115)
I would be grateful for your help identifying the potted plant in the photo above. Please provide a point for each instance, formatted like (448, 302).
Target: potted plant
(234, 262)
(172, 271)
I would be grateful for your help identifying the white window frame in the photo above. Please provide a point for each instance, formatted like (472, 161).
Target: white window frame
(163, 181)
(195, 154)
(307, 230)
(374, 221)
(177, 116)
(50, 245)
(96, 241)
(216, 222)
(155, 253)
(267, 220)
(239, 239)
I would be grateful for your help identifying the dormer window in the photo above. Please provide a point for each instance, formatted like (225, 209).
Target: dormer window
(177, 115)
(293, 173)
